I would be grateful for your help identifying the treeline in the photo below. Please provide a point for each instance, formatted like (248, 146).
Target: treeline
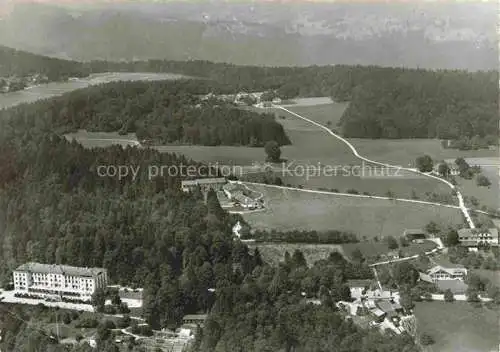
(269, 311)
(424, 104)
(325, 237)
(384, 102)
(21, 63)
(160, 112)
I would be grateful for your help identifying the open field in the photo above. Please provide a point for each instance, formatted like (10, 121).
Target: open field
(489, 196)
(458, 326)
(295, 209)
(101, 139)
(327, 114)
(312, 145)
(393, 151)
(312, 101)
(58, 88)
(404, 151)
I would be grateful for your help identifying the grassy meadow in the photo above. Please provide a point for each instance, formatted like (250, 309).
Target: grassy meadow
(312, 145)
(101, 139)
(295, 209)
(459, 326)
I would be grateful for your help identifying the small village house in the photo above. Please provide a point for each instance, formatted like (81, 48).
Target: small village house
(194, 319)
(477, 237)
(440, 272)
(358, 287)
(453, 168)
(205, 184)
(415, 234)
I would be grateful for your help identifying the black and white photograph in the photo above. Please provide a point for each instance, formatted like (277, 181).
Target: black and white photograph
(249, 176)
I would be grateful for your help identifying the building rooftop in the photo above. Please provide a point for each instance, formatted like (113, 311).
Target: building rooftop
(387, 306)
(466, 232)
(451, 271)
(425, 277)
(378, 312)
(195, 317)
(204, 181)
(60, 269)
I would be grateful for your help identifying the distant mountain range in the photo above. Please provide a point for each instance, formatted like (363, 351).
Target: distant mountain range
(434, 35)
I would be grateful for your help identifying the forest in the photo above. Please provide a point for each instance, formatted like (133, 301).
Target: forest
(21, 64)
(269, 312)
(55, 208)
(160, 112)
(384, 102)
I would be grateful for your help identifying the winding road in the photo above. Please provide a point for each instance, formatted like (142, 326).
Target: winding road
(461, 202)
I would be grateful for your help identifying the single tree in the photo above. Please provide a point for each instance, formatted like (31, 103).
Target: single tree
(424, 163)
(406, 301)
(444, 169)
(273, 151)
(432, 228)
(392, 243)
(98, 300)
(426, 339)
(403, 242)
(483, 181)
(452, 238)
(448, 296)
(472, 295)
(357, 256)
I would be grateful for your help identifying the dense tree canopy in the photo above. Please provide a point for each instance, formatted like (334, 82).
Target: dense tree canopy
(21, 63)
(384, 102)
(162, 112)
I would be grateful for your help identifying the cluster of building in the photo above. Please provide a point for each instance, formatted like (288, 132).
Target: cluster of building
(205, 184)
(453, 168)
(241, 196)
(14, 83)
(478, 237)
(374, 306)
(471, 238)
(447, 276)
(230, 193)
(243, 98)
(53, 280)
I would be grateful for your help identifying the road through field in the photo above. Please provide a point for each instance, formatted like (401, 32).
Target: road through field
(462, 206)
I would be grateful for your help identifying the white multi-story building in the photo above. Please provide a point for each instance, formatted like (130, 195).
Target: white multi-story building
(61, 280)
(477, 237)
(440, 273)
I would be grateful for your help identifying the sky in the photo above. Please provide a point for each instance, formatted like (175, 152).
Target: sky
(6, 5)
